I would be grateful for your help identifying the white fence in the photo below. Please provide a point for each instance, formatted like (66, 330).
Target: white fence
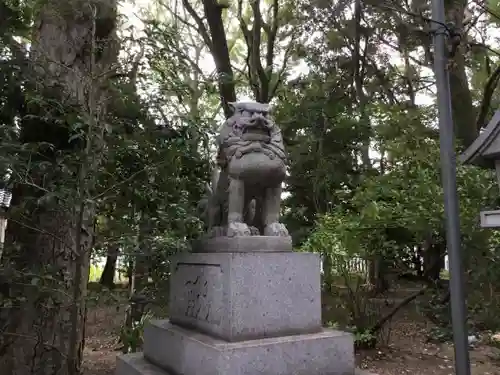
(354, 265)
(358, 265)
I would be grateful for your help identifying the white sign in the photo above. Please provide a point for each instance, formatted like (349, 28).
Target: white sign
(490, 219)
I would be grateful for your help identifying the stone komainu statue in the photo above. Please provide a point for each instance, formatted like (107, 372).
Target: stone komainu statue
(245, 197)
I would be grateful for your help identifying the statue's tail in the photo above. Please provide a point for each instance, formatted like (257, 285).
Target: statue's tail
(214, 179)
(204, 205)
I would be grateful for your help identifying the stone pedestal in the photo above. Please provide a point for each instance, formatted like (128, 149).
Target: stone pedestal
(244, 296)
(243, 313)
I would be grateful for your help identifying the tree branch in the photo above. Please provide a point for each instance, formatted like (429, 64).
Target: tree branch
(220, 53)
(397, 308)
(255, 53)
(202, 30)
(381, 322)
(272, 32)
(488, 92)
(254, 84)
(281, 71)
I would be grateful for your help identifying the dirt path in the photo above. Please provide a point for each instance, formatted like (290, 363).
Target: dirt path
(103, 326)
(408, 352)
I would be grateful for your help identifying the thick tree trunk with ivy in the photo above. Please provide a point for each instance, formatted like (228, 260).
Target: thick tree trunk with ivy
(49, 236)
(464, 113)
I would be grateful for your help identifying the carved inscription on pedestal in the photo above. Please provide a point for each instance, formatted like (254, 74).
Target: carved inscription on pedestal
(199, 292)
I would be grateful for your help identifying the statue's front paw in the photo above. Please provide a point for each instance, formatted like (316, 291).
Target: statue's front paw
(254, 231)
(216, 232)
(276, 230)
(237, 230)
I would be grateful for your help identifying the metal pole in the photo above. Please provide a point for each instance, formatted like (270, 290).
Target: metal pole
(448, 173)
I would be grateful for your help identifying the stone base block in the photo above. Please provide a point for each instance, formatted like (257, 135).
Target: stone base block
(136, 364)
(244, 296)
(182, 351)
(243, 244)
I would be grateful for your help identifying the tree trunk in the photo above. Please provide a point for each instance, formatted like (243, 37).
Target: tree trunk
(216, 40)
(130, 277)
(328, 277)
(358, 79)
(464, 113)
(377, 270)
(108, 274)
(417, 261)
(434, 261)
(141, 267)
(141, 276)
(49, 238)
(42, 321)
(3, 228)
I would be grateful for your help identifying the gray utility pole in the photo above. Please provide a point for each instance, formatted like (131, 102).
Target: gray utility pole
(448, 173)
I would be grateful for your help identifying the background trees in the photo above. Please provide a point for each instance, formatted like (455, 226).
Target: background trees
(107, 117)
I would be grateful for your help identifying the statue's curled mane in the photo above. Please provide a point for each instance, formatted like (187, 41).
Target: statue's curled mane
(249, 129)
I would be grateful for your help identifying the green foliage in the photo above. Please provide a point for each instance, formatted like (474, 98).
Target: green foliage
(154, 152)
(493, 340)
(140, 172)
(402, 206)
(364, 339)
(321, 140)
(484, 293)
(95, 273)
(493, 7)
(392, 212)
(132, 337)
(436, 307)
(99, 296)
(440, 334)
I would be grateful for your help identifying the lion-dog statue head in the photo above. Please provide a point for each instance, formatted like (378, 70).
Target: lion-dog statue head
(251, 146)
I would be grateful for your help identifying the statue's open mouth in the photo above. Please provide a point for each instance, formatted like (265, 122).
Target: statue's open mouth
(256, 133)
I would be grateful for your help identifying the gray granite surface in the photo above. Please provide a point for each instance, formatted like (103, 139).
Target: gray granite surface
(243, 244)
(240, 296)
(186, 352)
(136, 364)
